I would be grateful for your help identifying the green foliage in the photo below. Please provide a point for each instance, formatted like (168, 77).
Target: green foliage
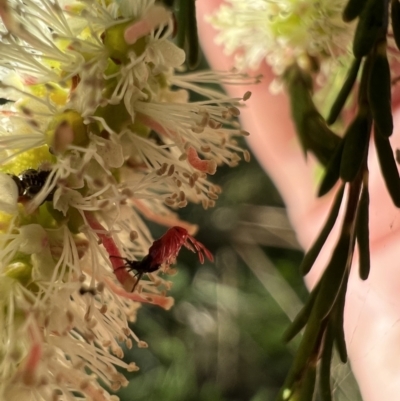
(322, 315)
(313, 131)
(344, 92)
(314, 251)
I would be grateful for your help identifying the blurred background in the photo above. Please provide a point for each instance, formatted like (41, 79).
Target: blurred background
(222, 339)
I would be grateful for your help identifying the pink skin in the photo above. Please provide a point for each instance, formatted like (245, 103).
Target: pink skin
(372, 314)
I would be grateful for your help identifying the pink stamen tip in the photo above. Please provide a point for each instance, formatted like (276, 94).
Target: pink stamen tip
(30, 81)
(159, 300)
(165, 220)
(205, 166)
(34, 357)
(154, 125)
(136, 31)
(156, 16)
(122, 275)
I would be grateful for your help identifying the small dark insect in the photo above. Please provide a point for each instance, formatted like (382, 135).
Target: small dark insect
(30, 182)
(165, 251)
(141, 267)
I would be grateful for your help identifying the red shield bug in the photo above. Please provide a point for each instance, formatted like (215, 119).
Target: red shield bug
(164, 251)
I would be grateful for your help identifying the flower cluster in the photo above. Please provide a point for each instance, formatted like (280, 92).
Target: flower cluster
(97, 132)
(309, 33)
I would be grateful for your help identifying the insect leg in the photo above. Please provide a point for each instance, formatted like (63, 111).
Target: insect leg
(138, 277)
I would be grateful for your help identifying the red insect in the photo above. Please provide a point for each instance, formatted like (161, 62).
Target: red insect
(164, 251)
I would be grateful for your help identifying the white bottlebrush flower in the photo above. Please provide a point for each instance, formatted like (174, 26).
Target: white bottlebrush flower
(282, 32)
(9, 195)
(98, 132)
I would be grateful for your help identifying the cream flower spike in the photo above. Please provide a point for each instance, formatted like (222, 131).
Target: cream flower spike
(284, 32)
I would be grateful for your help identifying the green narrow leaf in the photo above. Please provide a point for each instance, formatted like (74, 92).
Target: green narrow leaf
(306, 356)
(337, 320)
(379, 92)
(332, 171)
(362, 97)
(168, 3)
(332, 279)
(313, 252)
(395, 14)
(325, 366)
(370, 25)
(182, 23)
(388, 166)
(353, 9)
(322, 141)
(330, 284)
(192, 40)
(308, 384)
(314, 134)
(356, 142)
(299, 87)
(302, 317)
(362, 233)
(344, 92)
